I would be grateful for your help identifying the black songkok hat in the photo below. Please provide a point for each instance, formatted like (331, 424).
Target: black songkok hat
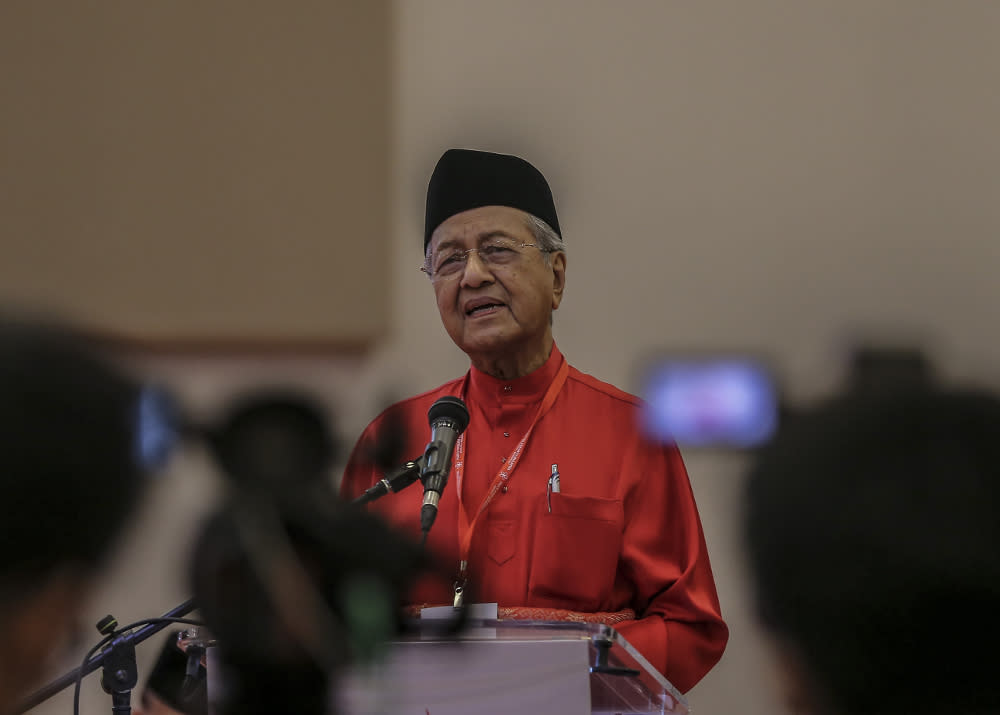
(466, 179)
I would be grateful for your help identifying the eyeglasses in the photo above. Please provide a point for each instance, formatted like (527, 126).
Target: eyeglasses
(495, 253)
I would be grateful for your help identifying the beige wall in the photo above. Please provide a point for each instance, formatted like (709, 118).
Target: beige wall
(197, 172)
(770, 176)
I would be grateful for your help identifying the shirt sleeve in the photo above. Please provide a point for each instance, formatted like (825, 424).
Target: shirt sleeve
(679, 626)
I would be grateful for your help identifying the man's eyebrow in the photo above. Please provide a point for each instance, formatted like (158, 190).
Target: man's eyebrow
(496, 233)
(480, 239)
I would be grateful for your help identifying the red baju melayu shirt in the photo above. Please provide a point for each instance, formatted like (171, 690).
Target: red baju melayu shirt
(622, 533)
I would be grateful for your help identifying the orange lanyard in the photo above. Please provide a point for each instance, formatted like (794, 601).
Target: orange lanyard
(467, 529)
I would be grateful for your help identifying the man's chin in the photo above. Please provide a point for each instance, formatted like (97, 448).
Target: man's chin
(486, 342)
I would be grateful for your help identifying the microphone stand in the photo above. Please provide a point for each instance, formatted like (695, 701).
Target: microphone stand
(118, 661)
(394, 482)
(119, 672)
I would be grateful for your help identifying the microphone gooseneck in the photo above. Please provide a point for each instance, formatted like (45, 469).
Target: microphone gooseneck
(394, 481)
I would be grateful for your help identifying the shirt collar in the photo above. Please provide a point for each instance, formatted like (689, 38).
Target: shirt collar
(521, 389)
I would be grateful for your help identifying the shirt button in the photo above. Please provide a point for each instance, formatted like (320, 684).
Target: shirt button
(507, 388)
(504, 488)
(506, 434)
(503, 459)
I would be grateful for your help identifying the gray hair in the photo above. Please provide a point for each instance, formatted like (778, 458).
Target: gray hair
(548, 240)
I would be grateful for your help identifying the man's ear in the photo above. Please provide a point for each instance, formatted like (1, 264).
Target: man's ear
(558, 261)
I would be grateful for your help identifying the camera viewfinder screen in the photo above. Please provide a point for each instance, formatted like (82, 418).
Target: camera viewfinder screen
(711, 403)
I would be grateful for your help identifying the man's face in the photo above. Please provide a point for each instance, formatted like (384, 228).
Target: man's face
(493, 310)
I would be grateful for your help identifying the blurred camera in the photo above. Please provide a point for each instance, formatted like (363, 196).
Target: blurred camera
(729, 402)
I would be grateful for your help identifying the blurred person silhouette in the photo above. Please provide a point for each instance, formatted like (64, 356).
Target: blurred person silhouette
(872, 532)
(294, 585)
(557, 507)
(69, 477)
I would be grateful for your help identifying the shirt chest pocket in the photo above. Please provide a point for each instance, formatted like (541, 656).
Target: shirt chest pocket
(501, 534)
(575, 551)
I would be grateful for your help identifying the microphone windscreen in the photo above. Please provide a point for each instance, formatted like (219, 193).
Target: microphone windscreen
(452, 408)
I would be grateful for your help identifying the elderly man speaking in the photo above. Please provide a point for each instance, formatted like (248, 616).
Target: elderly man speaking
(556, 508)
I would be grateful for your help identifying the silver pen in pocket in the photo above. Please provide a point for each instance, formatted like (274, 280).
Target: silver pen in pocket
(553, 487)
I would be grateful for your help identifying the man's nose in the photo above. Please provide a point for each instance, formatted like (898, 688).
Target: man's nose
(476, 272)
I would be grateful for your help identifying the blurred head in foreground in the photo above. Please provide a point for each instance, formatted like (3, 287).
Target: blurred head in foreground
(68, 476)
(294, 584)
(873, 528)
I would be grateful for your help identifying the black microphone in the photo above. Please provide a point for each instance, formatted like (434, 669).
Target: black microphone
(448, 418)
